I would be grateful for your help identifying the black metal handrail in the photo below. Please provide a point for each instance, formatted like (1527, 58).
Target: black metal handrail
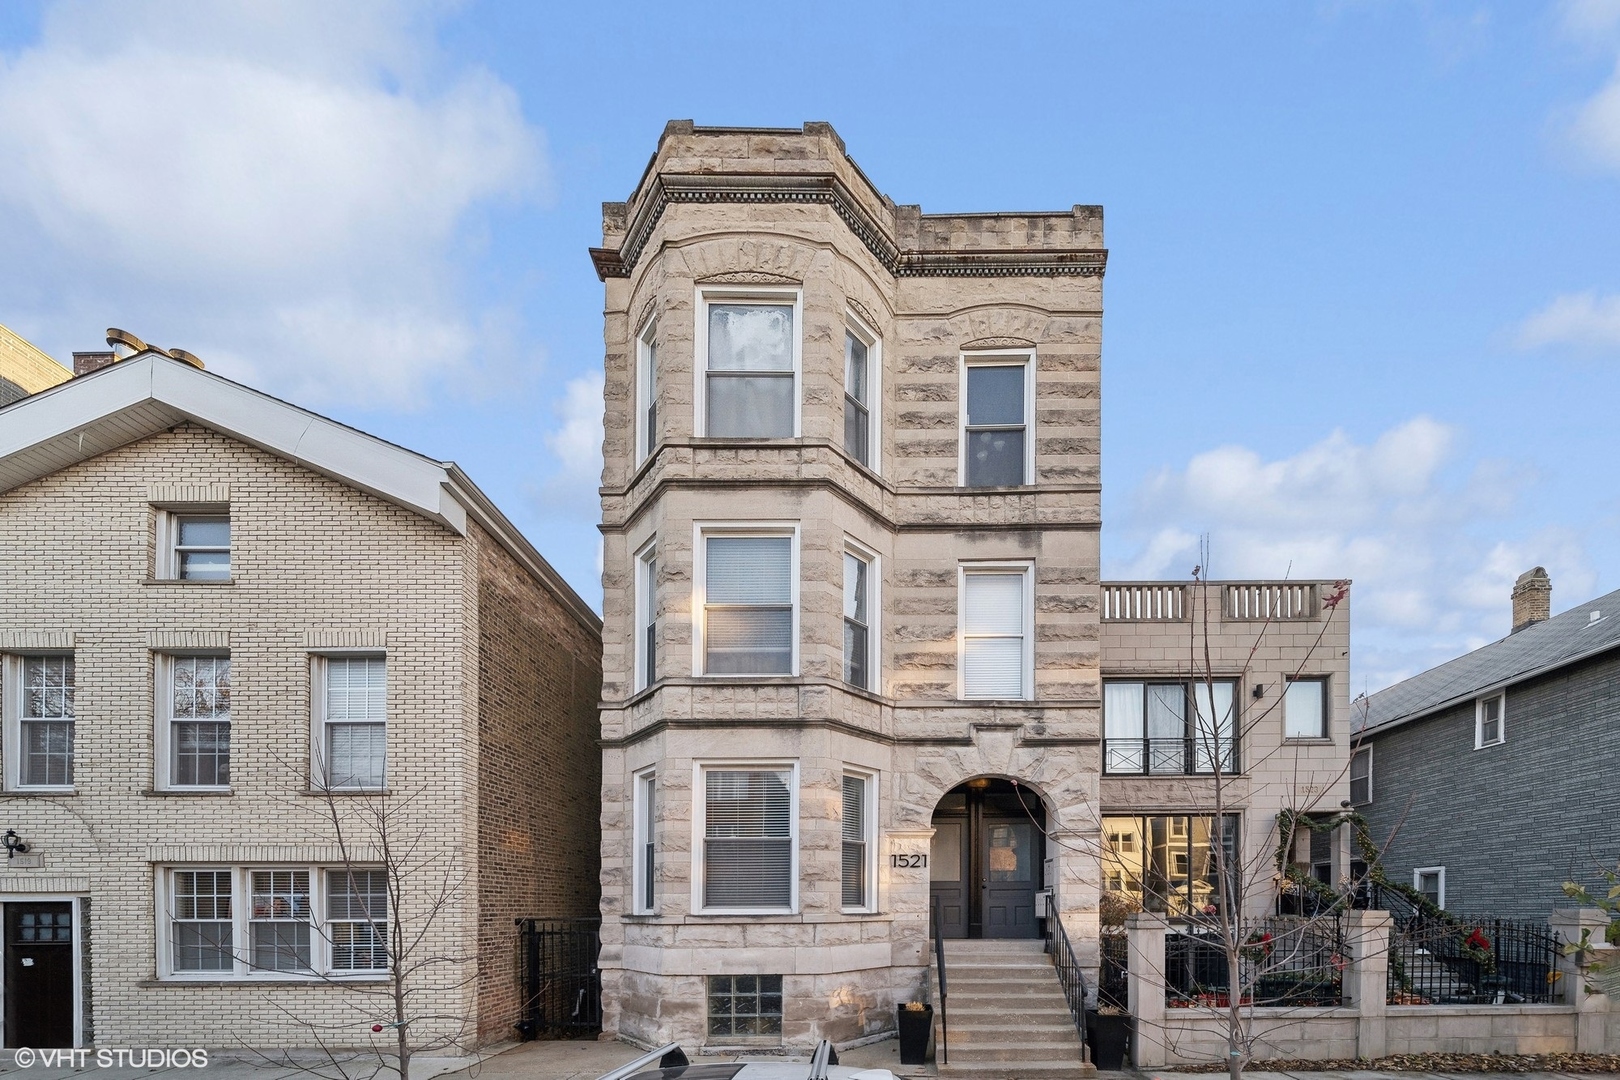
(1191, 755)
(1070, 975)
(944, 1013)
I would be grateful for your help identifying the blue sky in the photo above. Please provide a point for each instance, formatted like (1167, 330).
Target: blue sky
(1363, 300)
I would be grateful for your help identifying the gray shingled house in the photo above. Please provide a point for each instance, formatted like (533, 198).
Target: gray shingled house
(1495, 777)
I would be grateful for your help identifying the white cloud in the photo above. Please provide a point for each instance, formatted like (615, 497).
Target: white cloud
(290, 183)
(577, 446)
(1588, 20)
(1421, 537)
(1585, 321)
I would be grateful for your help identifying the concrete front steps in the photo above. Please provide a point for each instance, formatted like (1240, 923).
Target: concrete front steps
(1008, 1017)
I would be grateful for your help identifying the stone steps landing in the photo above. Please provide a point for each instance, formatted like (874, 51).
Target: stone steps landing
(1008, 1017)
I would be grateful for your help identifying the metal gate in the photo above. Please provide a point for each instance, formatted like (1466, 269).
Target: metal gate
(562, 987)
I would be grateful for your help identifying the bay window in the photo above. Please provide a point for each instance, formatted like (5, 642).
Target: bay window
(997, 403)
(858, 821)
(749, 595)
(860, 384)
(859, 643)
(750, 370)
(646, 392)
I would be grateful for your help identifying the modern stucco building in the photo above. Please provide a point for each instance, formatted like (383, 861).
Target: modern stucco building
(226, 619)
(856, 651)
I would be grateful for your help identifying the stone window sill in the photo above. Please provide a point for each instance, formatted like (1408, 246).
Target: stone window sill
(162, 793)
(344, 793)
(41, 793)
(311, 980)
(186, 581)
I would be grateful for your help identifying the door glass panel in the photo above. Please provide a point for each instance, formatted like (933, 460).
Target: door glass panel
(1010, 852)
(945, 857)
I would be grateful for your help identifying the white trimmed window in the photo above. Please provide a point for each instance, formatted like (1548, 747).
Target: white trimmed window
(645, 811)
(1305, 709)
(860, 610)
(38, 697)
(252, 922)
(859, 821)
(998, 400)
(1361, 776)
(646, 392)
(646, 617)
(351, 722)
(1431, 882)
(862, 365)
(194, 722)
(749, 594)
(996, 632)
(194, 544)
(747, 824)
(749, 377)
(1490, 716)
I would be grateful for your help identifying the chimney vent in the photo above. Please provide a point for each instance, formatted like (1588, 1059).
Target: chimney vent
(1532, 598)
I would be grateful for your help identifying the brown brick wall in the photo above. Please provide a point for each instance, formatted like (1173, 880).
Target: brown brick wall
(539, 772)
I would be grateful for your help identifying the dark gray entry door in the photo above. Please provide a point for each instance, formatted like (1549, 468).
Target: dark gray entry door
(1009, 881)
(948, 871)
(39, 975)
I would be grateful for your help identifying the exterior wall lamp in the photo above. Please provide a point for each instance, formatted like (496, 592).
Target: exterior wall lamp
(14, 844)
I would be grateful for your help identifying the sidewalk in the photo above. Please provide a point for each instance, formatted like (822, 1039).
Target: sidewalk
(556, 1060)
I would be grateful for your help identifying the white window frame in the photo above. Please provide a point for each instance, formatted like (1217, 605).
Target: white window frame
(700, 809)
(320, 941)
(999, 358)
(1025, 567)
(701, 531)
(874, 613)
(167, 561)
(1501, 720)
(163, 712)
(644, 812)
(874, 390)
(1323, 684)
(646, 611)
(1351, 775)
(731, 294)
(318, 662)
(11, 698)
(1440, 871)
(869, 779)
(645, 390)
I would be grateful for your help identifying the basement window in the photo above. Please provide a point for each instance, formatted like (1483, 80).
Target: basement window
(745, 1005)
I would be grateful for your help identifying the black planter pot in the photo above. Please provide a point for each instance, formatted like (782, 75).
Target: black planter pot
(915, 1025)
(1110, 1039)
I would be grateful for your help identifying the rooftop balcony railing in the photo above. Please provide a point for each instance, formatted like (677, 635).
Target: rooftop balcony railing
(1166, 601)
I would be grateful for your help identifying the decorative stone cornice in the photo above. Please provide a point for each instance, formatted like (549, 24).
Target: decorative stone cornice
(748, 277)
(829, 190)
(998, 343)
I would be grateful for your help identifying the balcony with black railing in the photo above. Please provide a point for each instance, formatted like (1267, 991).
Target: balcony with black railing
(1186, 756)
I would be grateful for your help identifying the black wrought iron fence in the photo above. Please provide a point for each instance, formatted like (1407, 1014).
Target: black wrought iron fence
(1112, 986)
(1282, 962)
(1455, 959)
(562, 988)
(1071, 976)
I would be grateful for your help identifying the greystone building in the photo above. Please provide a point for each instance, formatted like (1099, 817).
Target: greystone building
(1494, 778)
(861, 678)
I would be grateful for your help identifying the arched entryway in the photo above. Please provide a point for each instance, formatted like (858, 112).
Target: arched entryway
(988, 860)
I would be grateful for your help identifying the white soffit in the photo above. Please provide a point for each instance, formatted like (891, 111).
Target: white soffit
(143, 395)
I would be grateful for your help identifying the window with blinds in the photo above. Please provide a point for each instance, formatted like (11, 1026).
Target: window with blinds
(750, 377)
(857, 889)
(748, 839)
(646, 817)
(354, 742)
(995, 646)
(748, 605)
(357, 919)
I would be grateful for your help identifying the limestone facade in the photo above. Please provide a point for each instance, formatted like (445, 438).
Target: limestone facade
(784, 217)
(491, 679)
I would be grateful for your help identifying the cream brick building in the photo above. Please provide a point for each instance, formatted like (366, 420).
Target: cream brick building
(854, 650)
(214, 600)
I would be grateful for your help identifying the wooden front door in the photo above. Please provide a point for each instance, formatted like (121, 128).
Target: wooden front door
(39, 974)
(986, 862)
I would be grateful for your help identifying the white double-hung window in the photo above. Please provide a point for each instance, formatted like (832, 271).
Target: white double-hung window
(194, 722)
(273, 921)
(996, 631)
(747, 825)
(646, 392)
(749, 601)
(860, 618)
(350, 722)
(998, 401)
(749, 377)
(39, 721)
(194, 544)
(646, 643)
(644, 841)
(859, 820)
(861, 370)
